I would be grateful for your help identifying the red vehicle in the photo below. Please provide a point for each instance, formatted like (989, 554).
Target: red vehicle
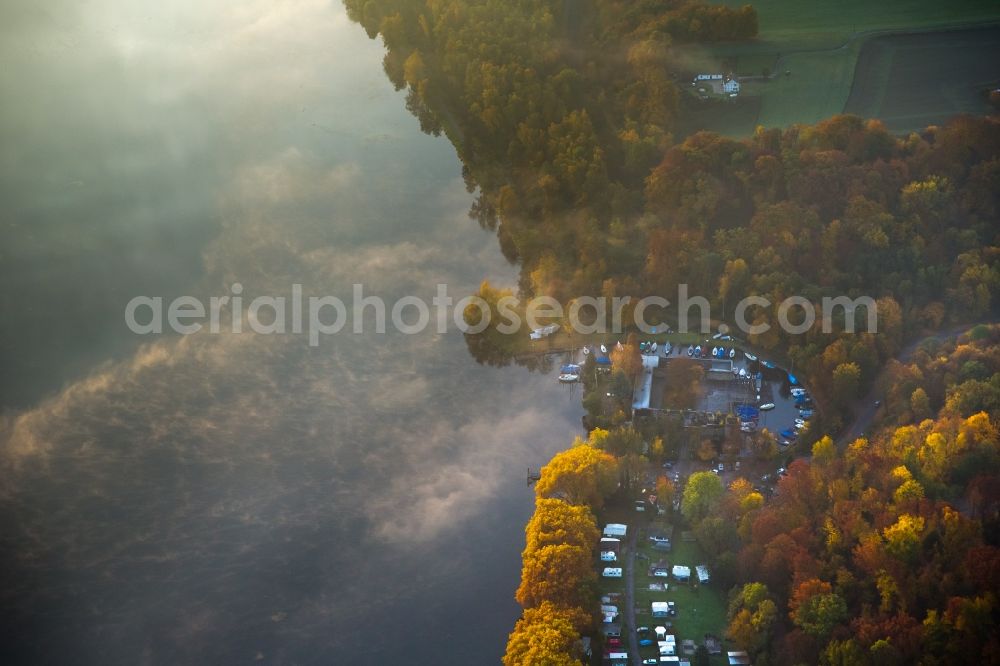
(614, 641)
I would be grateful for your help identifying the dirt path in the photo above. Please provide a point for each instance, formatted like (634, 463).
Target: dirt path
(630, 625)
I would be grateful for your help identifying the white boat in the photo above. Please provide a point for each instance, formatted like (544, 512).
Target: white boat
(586, 350)
(743, 372)
(568, 378)
(732, 353)
(690, 351)
(652, 347)
(604, 350)
(715, 352)
(750, 357)
(697, 350)
(544, 331)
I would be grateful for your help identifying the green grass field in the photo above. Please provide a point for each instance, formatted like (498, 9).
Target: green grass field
(826, 23)
(819, 44)
(911, 81)
(700, 609)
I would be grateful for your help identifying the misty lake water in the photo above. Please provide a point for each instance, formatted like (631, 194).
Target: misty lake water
(239, 498)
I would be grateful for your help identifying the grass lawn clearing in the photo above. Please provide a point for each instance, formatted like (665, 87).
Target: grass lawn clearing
(700, 609)
(822, 44)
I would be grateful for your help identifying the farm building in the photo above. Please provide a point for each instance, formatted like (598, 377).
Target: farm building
(719, 84)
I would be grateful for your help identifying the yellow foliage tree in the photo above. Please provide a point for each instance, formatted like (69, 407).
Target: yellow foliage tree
(557, 573)
(556, 521)
(903, 537)
(627, 358)
(545, 636)
(824, 450)
(580, 475)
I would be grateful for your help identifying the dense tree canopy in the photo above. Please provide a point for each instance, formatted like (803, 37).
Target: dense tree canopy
(564, 116)
(868, 552)
(701, 494)
(582, 474)
(544, 636)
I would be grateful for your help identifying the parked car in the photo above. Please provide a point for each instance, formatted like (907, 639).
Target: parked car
(720, 468)
(805, 413)
(767, 406)
(668, 465)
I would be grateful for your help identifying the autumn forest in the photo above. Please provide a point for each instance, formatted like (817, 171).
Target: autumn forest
(884, 549)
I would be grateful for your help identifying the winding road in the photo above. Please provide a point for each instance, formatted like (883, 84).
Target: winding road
(865, 410)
